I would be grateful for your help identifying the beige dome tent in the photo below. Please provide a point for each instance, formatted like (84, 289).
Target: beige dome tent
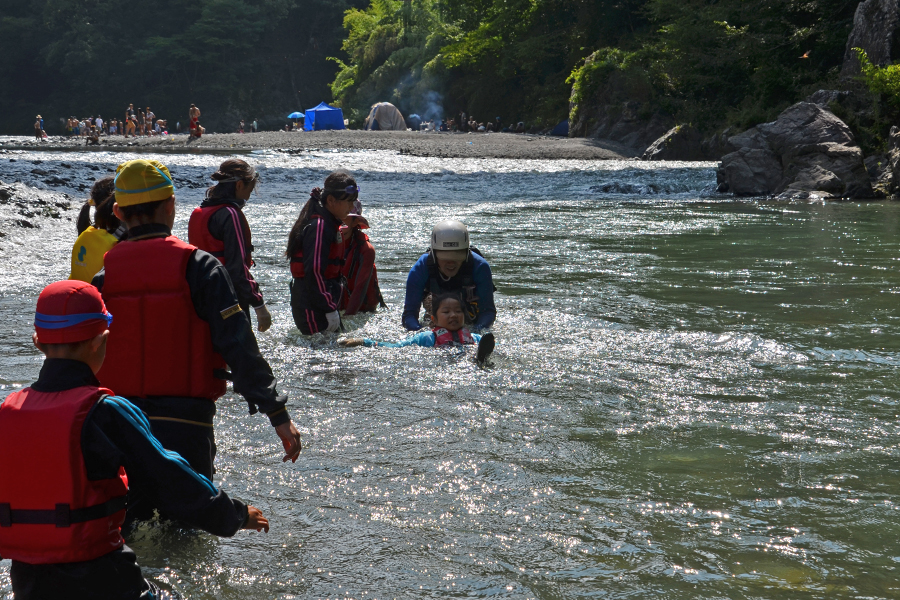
(384, 116)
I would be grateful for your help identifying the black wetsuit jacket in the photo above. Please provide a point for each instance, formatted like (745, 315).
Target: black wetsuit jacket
(111, 438)
(211, 293)
(224, 225)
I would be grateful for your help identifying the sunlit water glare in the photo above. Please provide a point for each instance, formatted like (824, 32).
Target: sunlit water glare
(691, 396)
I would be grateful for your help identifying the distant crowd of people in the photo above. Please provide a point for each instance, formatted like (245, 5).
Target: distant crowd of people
(139, 122)
(466, 124)
(136, 123)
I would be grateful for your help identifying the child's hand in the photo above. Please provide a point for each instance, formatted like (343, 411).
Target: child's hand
(350, 342)
(256, 520)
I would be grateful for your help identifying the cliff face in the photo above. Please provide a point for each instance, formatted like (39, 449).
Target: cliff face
(875, 31)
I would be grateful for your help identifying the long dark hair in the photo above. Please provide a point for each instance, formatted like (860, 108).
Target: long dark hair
(233, 168)
(336, 185)
(103, 198)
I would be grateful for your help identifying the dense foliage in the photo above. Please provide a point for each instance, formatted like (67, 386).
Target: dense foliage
(701, 61)
(507, 58)
(880, 80)
(707, 62)
(235, 59)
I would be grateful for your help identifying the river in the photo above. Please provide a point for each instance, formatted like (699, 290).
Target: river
(692, 396)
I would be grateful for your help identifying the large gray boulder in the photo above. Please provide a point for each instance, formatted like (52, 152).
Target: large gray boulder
(874, 25)
(749, 172)
(806, 150)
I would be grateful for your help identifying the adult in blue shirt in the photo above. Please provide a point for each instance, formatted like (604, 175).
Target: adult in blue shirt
(452, 266)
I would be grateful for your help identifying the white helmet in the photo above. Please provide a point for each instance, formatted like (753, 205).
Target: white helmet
(450, 235)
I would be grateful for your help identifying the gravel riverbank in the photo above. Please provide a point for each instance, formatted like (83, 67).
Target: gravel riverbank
(441, 145)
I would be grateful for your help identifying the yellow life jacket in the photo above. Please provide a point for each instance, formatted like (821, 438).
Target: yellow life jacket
(88, 251)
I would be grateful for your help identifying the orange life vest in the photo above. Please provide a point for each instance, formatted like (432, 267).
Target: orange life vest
(50, 512)
(158, 346)
(199, 235)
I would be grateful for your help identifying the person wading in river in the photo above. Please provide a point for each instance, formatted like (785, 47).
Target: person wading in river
(316, 252)
(178, 324)
(219, 227)
(452, 265)
(71, 451)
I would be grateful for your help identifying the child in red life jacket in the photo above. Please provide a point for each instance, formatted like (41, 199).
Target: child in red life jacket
(70, 451)
(363, 293)
(448, 320)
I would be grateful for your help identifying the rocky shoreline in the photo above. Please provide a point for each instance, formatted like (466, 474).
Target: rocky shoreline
(439, 145)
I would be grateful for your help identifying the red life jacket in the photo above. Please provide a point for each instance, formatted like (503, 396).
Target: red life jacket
(199, 235)
(335, 253)
(442, 337)
(50, 512)
(350, 270)
(158, 346)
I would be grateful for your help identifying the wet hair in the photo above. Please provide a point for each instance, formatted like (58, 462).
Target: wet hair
(101, 191)
(230, 169)
(84, 217)
(104, 217)
(336, 185)
(438, 299)
(147, 209)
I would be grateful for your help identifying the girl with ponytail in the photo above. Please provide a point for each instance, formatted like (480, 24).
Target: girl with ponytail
(219, 227)
(97, 238)
(316, 252)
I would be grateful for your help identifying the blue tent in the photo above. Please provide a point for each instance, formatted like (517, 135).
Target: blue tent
(323, 117)
(561, 129)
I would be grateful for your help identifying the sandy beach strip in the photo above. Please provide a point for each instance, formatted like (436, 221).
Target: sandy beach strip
(441, 145)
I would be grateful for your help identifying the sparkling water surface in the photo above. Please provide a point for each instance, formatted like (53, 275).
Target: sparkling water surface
(691, 396)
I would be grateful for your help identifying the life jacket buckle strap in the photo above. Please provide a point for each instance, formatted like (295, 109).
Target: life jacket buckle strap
(223, 374)
(63, 515)
(5, 515)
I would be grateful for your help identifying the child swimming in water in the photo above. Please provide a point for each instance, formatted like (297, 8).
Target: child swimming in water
(448, 320)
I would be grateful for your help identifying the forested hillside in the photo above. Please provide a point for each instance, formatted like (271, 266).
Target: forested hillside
(711, 63)
(233, 58)
(702, 61)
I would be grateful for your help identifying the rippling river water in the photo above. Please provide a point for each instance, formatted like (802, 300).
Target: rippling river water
(691, 396)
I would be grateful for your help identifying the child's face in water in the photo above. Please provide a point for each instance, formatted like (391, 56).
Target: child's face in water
(449, 315)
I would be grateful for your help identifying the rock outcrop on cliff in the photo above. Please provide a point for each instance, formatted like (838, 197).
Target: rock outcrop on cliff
(874, 26)
(806, 151)
(624, 123)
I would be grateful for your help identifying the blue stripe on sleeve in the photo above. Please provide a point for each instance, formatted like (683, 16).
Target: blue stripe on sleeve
(137, 418)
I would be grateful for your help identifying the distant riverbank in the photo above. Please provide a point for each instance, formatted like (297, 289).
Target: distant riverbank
(441, 145)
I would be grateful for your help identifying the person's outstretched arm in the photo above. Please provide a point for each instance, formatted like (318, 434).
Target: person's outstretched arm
(422, 338)
(117, 433)
(216, 303)
(415, 291)
(484, 282)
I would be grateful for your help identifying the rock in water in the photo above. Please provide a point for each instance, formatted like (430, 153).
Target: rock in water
(749, 172)
(874, 25)
(807, 149)
(682, 142)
